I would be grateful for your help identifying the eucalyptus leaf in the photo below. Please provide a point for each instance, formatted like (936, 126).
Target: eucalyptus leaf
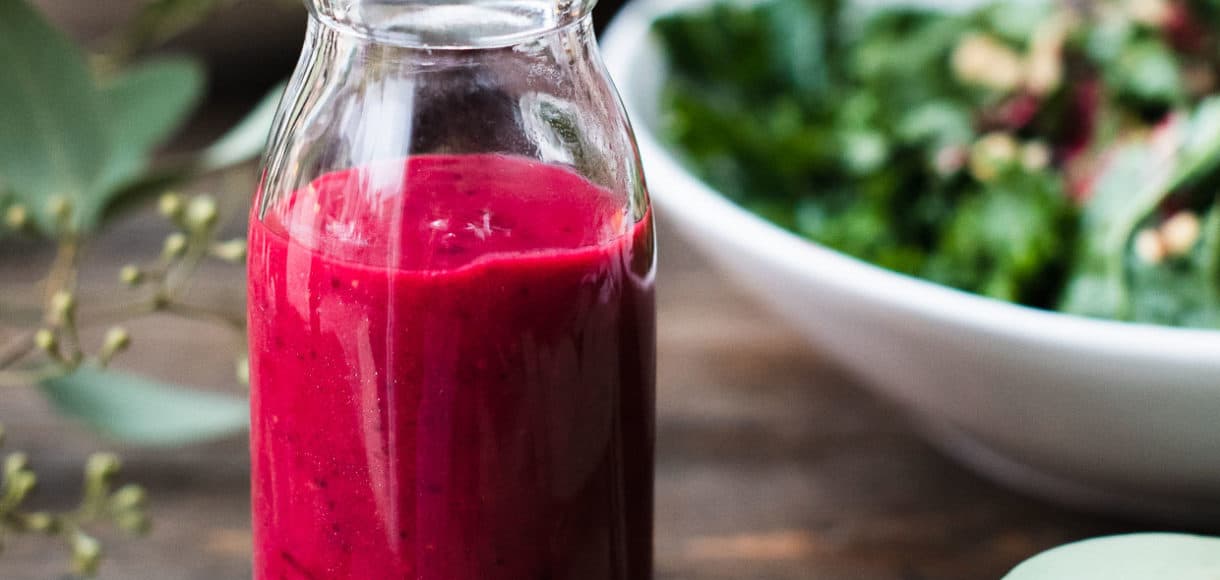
(248, 138)
(143, 107)
(1132, 557)
(141, 411)
(53, 141)
(4, 204)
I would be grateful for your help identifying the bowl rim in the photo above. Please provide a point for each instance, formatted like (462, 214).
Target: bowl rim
(627, 40)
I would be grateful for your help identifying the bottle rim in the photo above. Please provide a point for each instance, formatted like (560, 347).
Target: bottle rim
(450, 24)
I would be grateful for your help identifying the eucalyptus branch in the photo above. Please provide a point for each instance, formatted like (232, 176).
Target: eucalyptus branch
(50, 344)
(63, 268)
(53, 348)
(101, 502)
(62, 275)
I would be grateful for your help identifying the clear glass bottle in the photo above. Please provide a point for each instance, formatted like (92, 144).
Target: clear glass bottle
(452, 328)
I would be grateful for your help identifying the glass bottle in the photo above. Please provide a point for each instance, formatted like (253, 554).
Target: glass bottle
(452, 327)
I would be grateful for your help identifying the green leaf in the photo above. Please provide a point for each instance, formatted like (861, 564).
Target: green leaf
(248, 138)
(143, 107)
(800, 37)
(1181, 291)
(864, 152)
(140, 411)
(1201, 144)
(941, 123)
(1134, 183)
(1148, 72)
(1210, 250)
(1105, 40)
(1018, 21)
(53, 140)
(1006, 241)
(1132, 557)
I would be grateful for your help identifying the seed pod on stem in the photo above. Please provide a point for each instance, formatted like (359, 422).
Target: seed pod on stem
(233, 251)
(171, 206)
(117, 340)
(60, 208)
(131, 275)
(62, 307)
(46, 341)
(17, 217)
(86, 553)
(175, 246)
(201, 214)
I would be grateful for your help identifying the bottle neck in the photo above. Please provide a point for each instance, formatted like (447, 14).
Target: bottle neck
(450, 24)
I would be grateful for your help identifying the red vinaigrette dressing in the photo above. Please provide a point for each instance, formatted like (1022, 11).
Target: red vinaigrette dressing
(452, 366)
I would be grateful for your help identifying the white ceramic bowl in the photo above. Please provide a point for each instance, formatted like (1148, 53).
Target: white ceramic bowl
(1099, 414)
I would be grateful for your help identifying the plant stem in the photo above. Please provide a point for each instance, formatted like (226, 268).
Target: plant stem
(16, 349)
(195, 312)
(177, 277)
(62, 274)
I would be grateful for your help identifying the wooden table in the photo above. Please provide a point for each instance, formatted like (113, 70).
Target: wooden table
(773, 465)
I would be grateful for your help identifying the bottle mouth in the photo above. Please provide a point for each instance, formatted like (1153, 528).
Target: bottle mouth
(451, 24)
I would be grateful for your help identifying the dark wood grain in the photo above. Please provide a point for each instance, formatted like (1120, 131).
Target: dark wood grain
(773, 465)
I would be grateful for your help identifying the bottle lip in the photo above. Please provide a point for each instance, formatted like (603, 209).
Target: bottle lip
(450, 24)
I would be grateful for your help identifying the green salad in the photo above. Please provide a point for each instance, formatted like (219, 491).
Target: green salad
(1062, 155)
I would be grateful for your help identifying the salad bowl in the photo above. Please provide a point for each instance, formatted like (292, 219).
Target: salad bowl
(1097, 414)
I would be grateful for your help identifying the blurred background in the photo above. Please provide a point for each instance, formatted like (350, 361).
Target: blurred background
(773, 463)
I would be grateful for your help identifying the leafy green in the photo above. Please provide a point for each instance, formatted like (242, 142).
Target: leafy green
(1002, 242)
(1134, 183)
(140, 411)
(802, 44)
(1109, 281)
(1014, 150)
(1181, 291)
(750, 49)
(1148, 71)
(1016, 21)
